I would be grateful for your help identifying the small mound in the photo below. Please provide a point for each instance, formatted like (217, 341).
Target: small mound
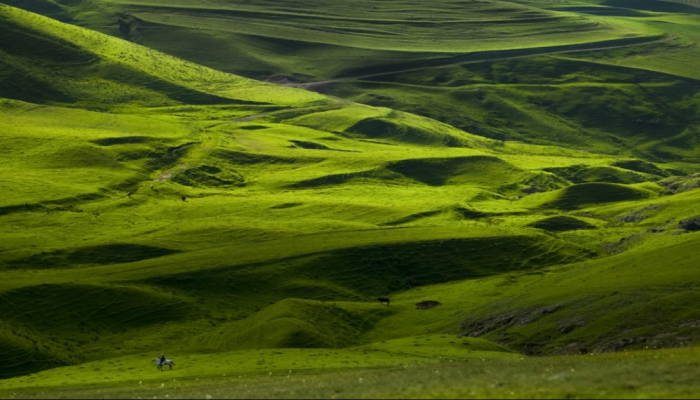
(122, 140)
(586, 194)
(379, 174)
(242, 158)
(486, 195)
(295, 323)
(543, 182)
(479, 170)
(468, 213)
(642, 166)
(165, 157)
(310, 145)
(383, 128)
(285, 205)
(561, 224)
(588, 174)
(93, 255)
(412, 217)
(680, 184)
(209, 176)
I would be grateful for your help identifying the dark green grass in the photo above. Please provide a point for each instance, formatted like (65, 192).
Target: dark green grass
(578, 196)
(359, 273)
(438, 172)
(641, 166)
(561, 223)
(88, 256)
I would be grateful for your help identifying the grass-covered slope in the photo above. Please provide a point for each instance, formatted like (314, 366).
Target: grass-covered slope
(48, 62)
(155, 205)
(471, 66)
(294, 323)
(313, 40)
(549, 100)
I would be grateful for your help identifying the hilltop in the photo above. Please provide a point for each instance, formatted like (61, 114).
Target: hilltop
(544, 192)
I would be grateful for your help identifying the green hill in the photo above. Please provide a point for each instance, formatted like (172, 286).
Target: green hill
(577, 196)
(294, 323)
(561, 223)
(311, 40)
(512, 197)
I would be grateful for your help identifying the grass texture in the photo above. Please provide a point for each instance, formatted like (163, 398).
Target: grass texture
(537, 177)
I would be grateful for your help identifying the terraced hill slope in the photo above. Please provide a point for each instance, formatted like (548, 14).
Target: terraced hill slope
(500, 69)
(153, 204)
(312, 40)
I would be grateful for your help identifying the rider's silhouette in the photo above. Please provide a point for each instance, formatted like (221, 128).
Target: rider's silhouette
(162, 358)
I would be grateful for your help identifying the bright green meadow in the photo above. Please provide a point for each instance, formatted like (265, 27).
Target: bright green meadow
(234, 183)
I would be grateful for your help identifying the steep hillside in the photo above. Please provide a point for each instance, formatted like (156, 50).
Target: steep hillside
(48, 62)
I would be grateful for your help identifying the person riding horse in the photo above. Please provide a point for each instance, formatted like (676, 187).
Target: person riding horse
(162, 362)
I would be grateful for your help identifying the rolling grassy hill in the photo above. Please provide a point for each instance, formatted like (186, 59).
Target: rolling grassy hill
(543, 190)
(499, 69)
(274, 38)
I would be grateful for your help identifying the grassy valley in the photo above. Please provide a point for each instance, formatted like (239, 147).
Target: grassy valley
(236, 183)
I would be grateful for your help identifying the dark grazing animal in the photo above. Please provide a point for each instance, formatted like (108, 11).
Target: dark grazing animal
(425, 305)
(383, 300)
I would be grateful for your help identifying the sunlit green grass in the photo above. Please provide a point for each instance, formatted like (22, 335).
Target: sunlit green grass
(644, 374)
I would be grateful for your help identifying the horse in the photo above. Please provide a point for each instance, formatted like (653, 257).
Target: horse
(383, 300)
(169, 363)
